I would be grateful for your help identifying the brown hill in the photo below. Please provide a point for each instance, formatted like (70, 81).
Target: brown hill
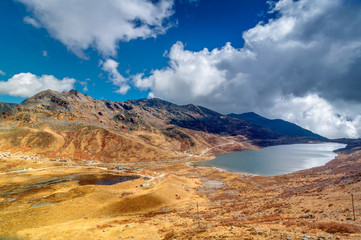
(70, 124)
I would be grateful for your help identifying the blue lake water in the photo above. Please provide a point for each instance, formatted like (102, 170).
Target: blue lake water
(276, 160)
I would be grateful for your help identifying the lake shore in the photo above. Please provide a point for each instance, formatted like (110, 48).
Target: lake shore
(179, 201)
(275, 160)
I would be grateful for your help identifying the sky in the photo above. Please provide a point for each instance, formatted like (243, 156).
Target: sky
(295, 60)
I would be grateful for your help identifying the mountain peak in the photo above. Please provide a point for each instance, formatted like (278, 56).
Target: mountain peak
(46, 99)
(46, 94)
(186, 127)
(276, 125)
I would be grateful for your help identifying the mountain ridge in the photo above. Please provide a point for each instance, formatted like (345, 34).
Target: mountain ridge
(278, 125)
(79, 126)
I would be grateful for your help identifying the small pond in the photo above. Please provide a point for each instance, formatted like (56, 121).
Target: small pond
(105, 179)
(83, 179)
(89, 179)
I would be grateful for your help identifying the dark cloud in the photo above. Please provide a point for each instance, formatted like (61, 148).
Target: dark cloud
(296, 66)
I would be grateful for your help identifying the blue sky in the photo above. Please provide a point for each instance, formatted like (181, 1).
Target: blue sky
(197, 24)
(296, 60)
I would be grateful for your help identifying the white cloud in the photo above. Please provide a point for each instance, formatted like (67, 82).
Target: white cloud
(195, 73)
(27, 84)
(315, 113)
(100, 24)
(123, 89)
(45, 53)
(111, 67)
(313, 48)
(32, 22)
(2, 73)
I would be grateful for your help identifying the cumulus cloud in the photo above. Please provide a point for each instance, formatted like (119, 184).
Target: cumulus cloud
(2, 73)
(27, 84)
(100, 24)
(315, 113)
(309, 55)
(111, 67)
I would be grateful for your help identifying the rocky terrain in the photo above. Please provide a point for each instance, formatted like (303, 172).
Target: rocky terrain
(276, 125)
(77, 126)
(44, 198)
(58, 150)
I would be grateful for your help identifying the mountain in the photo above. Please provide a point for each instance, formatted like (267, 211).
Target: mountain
(277, 125)
(74, 125)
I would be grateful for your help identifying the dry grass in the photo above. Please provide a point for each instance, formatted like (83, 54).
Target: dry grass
(329, 227)
(334, 227)
(169, 235)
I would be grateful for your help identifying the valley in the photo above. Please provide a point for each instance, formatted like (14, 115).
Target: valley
(175, 200)
(51, 141)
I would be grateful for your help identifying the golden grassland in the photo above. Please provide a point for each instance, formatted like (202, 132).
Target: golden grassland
(178, 201)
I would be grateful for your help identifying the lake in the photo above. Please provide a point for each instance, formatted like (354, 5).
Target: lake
(276, 160)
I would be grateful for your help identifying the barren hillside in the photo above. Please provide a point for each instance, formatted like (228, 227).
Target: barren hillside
(77, 126)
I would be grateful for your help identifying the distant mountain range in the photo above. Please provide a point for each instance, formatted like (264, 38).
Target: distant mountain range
(277, 125)
(80, 127)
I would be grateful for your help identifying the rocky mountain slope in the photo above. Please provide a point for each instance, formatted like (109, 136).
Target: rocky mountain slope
(276, 125)
(77, 126)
